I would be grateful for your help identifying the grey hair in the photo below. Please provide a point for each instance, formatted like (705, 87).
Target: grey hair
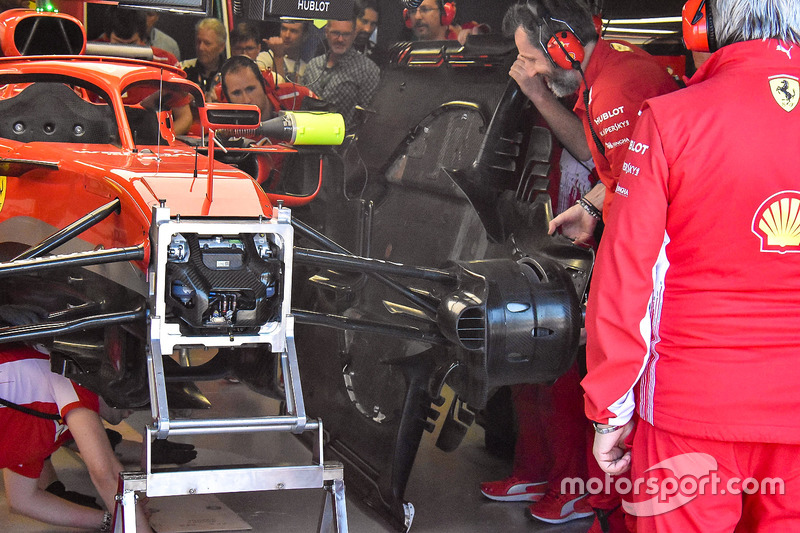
(747, 20)
(214, 25)
(528, 16)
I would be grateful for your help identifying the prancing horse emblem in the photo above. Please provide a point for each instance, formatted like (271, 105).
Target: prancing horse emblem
(786, 91)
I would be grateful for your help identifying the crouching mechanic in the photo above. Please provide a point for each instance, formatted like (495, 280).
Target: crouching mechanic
(31, 392)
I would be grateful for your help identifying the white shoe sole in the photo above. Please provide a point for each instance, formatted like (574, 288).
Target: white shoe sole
(569, 518)
(521, 497)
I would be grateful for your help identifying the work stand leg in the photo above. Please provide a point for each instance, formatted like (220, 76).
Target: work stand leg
(333, 518)
(125, 508)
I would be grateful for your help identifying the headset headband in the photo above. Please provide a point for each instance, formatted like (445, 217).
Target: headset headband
(544, 16)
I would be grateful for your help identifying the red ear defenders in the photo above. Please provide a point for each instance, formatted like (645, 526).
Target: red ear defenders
(448, 11)
(564, 48)
(698, 30)
(598, 24)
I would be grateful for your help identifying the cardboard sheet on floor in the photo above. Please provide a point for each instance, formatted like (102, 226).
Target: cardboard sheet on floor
(189, 514)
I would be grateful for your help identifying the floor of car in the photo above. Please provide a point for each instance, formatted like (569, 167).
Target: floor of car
(444, 487)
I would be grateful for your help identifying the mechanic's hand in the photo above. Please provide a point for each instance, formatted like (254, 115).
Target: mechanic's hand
(166, 452)
(114, 438)
(276, 45)
(58, 488)
(575, 223)
(534, 87)
(611, 452)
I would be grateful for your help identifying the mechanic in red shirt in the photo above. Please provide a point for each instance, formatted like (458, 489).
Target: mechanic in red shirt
(28, 439)
(693, 316)
(434, 20)
(560, 54)
(618, 78)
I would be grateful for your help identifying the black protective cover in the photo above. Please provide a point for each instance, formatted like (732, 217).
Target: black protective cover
(395, 198)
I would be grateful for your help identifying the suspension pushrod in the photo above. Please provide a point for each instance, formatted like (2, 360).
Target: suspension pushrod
(374, 266)
(49, 329)
(76, 228)
(368, 326)
(333, 246)
(99, 257)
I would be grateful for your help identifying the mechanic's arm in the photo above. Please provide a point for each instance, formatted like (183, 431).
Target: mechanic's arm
(566, 126)
(26, 498)
(182, 119)
(619, 312)
(576, 222)
(278, 49)
(104, 467)
(610, 450)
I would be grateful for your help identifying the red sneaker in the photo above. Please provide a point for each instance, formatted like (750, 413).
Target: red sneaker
(513, 489)
(557, 508)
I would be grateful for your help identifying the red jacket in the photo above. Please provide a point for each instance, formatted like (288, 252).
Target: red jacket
(696, 292)
(620, 77)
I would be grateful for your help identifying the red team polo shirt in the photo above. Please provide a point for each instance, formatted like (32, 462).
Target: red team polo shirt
(25, 379)
(696, 291)
(620, 77)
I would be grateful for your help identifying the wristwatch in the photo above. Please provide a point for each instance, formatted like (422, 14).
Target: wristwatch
(106, 526)
(605, 430)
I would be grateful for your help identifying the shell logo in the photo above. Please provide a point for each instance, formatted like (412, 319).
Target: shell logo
(3, 182)
(777, 223)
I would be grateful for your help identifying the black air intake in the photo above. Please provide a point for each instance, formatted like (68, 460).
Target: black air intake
(471, 328)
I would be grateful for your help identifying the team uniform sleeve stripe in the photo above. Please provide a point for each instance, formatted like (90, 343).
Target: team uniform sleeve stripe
(620, 313)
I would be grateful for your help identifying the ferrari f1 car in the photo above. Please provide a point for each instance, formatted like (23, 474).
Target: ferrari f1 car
(123, 248)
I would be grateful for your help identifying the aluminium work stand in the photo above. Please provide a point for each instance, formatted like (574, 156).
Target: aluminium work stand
(165, 338)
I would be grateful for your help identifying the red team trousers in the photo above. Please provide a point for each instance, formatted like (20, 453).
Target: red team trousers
(735, 497)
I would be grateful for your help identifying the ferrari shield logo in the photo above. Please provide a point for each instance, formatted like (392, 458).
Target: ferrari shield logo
(785, 91)
(2, 191)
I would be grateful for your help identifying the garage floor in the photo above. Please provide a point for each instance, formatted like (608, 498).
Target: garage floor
(443, 486)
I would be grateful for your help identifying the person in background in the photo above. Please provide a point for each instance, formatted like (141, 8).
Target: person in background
(367, 18)
(692, 317)
(244, 83)
(127, 26)
(284, 51)
(157, 38)
(210, 39)
(246, 40)
(434, 20)
(343, 77)
(42, 411)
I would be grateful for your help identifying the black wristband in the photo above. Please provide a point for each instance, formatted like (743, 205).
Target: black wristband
(590, 208)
